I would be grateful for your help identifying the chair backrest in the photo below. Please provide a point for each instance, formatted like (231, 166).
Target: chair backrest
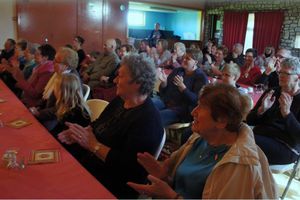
(96, 107)
(86, 91)
(161, 145)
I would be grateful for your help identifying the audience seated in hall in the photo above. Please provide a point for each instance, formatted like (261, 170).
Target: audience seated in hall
(130, 124)
(66, 61)
(215, 68)
(276, 116)
(70, 105)
(236, 55)
(249, 72)
(230, 165)
(33, 87)
(270, 75)
(77, 46)
(105, 64)
(179, 92)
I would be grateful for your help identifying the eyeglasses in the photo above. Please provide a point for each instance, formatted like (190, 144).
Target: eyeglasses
(286, 73)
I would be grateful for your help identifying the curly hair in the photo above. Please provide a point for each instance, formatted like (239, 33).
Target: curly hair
(142, 71)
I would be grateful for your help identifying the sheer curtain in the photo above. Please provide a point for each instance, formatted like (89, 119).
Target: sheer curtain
(234, 28)
(267, 29)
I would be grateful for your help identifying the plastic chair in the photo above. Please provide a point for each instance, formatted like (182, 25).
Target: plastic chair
(161, 145)
(86, 91)
(96, 107)
(279, 169)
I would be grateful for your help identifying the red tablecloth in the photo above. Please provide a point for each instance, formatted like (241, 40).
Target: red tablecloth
(65, 179)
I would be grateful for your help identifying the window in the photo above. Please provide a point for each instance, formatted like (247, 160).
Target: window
(136, 18)
(249, 33)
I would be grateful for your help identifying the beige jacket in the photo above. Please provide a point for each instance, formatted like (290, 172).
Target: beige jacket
(242, 173)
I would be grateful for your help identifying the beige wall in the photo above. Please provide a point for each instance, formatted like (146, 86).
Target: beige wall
(7, 21)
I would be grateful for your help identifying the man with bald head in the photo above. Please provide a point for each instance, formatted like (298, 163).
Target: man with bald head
(105, 64)
(270, 76)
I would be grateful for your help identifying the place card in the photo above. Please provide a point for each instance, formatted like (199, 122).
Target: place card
(18, 123)
(44, 156)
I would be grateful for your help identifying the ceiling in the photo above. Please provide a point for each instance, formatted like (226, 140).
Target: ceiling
(194, 4)
(198, 4)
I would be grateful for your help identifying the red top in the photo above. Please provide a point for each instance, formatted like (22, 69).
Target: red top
(250, 77)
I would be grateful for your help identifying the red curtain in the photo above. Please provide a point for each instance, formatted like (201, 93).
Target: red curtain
(234, 28)
(267, 29)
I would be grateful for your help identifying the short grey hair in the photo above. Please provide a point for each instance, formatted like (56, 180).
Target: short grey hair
(233, 69)
(70, 57)
(142, 71)
(32, 47)
(291, 63)
(180, 45)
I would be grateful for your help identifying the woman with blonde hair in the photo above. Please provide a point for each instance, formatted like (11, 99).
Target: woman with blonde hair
(65, 62)
(70, 104)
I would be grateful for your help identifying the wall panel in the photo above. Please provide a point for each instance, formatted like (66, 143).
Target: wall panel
(89, 24)
(60, 20)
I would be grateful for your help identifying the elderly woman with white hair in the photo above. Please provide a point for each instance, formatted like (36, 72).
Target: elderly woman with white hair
(178, 54)
(276, 116)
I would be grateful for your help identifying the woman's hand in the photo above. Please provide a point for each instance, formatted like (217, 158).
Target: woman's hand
(157, 188)
(162, 77)
(84, 136)
(267, 102)
(152, 166)
(34, 111)
(178, 81)
(285, 102)
(65, 137)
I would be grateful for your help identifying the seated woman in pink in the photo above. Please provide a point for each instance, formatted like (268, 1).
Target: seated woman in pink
(249, 72)
(34, 86)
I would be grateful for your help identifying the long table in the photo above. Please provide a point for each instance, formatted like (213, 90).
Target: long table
(65, 179)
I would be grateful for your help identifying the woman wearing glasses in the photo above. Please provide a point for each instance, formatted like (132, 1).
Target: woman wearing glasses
(276, 116)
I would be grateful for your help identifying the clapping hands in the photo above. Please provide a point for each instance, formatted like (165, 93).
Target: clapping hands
(158, 171)
(178, 81)
(285, 102)
(267, 102)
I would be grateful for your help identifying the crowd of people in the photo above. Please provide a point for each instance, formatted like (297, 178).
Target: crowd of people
(155, 86)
